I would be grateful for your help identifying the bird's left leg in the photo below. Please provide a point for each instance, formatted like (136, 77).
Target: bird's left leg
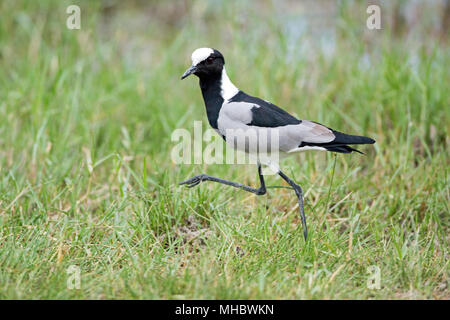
(192, 182)
(299, 192)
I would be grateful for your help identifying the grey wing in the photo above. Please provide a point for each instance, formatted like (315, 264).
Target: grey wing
(234, 116)
(292, 136)
(308, 131)
(260, 114)
(241, 115)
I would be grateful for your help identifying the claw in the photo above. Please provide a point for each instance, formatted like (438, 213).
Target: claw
(183, 182)
(192, 182)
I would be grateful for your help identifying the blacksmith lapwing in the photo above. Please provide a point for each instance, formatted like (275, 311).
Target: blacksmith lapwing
(229, 108)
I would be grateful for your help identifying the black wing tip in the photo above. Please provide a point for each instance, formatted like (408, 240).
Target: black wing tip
(342, 149)
(356, 150)
(344, 138)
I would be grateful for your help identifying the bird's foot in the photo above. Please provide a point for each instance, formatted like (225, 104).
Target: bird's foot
(192, 182)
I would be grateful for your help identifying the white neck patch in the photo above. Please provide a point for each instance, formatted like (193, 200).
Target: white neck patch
(200, 54)
(227, 89)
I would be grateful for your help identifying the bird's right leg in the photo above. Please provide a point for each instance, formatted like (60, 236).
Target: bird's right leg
(299, 192)
(192, 182)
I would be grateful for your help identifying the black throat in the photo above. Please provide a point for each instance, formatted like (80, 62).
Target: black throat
(211, 95)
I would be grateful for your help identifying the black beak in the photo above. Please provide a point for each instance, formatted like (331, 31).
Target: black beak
(188, 72)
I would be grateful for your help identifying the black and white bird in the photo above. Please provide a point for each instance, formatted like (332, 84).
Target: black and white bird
(230, 109)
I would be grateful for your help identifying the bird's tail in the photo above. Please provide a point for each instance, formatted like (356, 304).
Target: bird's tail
(340, 144)
(349, 139)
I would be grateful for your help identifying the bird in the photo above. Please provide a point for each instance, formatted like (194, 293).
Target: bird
(230, 109)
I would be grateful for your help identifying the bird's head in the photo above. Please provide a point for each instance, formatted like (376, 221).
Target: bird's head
(206, 62)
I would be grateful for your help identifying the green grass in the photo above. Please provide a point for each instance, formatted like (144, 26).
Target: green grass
(86, 177)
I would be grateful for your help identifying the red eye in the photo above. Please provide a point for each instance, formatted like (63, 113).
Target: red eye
(209, 60)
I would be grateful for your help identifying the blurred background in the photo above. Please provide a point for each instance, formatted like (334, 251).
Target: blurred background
(307, 56)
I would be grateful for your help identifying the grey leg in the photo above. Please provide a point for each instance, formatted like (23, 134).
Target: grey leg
(192, 182)
(299, 193)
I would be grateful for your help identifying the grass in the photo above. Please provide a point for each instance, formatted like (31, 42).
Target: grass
(86, 178)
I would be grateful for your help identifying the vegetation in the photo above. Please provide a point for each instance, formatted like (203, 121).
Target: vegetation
(86, 118)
